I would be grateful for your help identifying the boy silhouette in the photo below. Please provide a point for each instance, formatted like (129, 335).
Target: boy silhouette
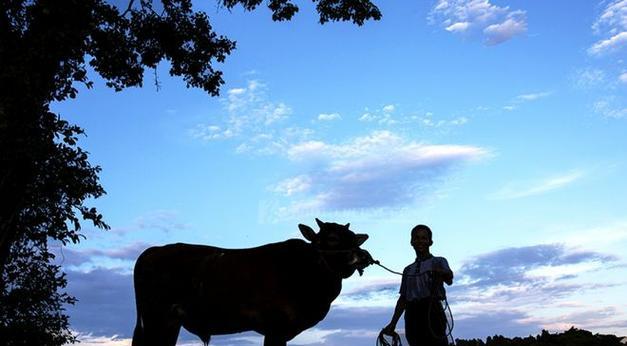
(421, 292)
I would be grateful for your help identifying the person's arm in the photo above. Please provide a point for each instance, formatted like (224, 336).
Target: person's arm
(444, 271)
(401, 303)
(447, 276)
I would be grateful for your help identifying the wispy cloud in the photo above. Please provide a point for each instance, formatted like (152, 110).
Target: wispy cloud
(514, 24)
(521, 265)
(609, 107)
(613, 17)
(288, 187)
(75, 258)
(162, 220)
(611, 44)
(329, 116)
(525, 189)
(390, 116)
(479, 17)
(611, 23)
(253, 119)
(524, 98)
(428, 120)
(379, 170)
(381, 116)
(88, 339)
(533, 96)
(389, 108)
(589, 78)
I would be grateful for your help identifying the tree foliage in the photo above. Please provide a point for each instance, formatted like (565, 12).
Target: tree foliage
(31, 304)
(46, 47)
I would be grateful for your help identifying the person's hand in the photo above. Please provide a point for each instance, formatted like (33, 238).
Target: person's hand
(389, 329)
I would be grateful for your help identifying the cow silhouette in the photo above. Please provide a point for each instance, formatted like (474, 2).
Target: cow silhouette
(277, 290)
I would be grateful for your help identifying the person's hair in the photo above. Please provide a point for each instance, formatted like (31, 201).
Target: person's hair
(422, 228)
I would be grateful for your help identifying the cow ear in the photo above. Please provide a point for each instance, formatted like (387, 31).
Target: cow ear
(308, 233)
(320, 223)
(348, 225)
(360, 238)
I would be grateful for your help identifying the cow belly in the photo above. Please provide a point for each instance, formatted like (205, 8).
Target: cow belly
(279, 318)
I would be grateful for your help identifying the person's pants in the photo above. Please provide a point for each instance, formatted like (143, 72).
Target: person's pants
(425, 323)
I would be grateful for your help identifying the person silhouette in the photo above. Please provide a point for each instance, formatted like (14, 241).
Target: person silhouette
(421, 291)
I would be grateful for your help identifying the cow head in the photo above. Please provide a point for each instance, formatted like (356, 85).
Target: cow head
(339, 247)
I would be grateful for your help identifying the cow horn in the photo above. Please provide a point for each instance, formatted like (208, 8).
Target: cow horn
(320, 223)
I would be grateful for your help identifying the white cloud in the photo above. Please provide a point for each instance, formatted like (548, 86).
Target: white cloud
(428, 121)
(294, 185)
(367, 117)
(91, 340)
(523, 98)
(479, 17)
(276, 113)
(613, 18)
(374, 171)
(623, 78)
(612, 23)
(382, 116)
(314, 336)
(388, 109)
(589, 78)
(526, 189)
(250, 116)
(515, 24)
(328, 116)
(532, 96)
(608, 107)
(308, 150)
(458, 27)
(611, 44)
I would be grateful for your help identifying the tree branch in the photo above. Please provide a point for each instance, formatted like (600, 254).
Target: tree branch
(128, 9)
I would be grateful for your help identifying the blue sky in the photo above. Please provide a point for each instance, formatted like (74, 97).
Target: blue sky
(499, 124)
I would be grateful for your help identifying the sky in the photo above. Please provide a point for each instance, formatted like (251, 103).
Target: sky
(501, 125)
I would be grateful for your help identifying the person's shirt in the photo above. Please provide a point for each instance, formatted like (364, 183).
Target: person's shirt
(418, 279)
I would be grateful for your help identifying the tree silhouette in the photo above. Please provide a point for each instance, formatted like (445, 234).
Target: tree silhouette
(45, 46)
(571, 337)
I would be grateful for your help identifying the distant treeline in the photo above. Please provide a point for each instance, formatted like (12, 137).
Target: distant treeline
(571, 337)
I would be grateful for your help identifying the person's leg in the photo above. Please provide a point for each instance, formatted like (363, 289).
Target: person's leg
(411, 324)
(424, 330)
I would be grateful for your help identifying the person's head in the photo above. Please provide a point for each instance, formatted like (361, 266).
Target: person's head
(421, 238)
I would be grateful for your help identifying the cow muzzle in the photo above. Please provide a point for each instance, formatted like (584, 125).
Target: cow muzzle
(361, 259)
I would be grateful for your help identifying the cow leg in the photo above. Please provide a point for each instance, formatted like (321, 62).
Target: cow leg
(274, 340)
(161, 331)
